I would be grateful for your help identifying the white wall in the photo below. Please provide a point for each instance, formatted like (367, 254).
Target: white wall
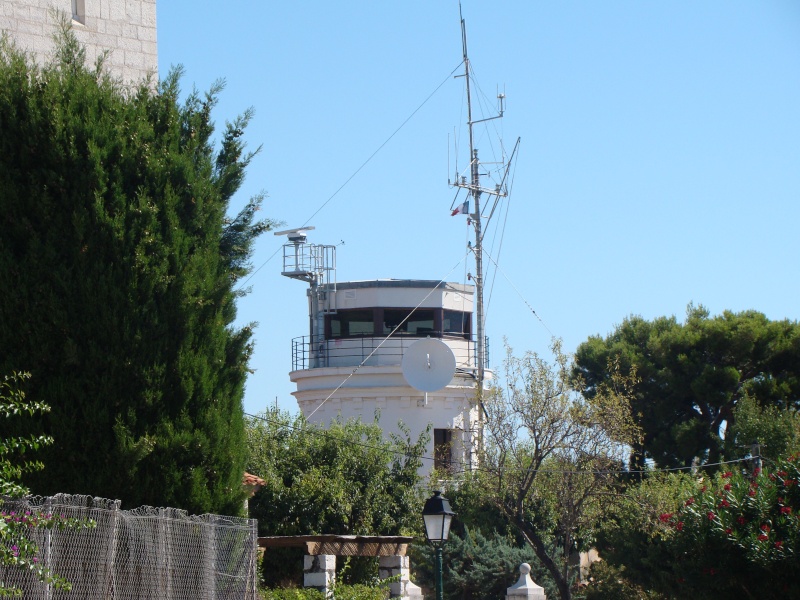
(126, 28)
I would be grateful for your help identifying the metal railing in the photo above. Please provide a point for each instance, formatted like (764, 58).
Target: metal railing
(314, 352)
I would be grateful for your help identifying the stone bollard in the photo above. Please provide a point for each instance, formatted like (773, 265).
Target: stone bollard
(392, 566)
(525, 587)
(319, 572)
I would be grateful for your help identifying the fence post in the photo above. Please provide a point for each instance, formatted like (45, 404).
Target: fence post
(48, 554)
(111, 574)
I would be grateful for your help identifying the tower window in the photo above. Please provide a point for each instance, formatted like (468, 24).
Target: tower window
(443, 449)
(78, 10)
(351, 323)
(457, 323)
(418, 322)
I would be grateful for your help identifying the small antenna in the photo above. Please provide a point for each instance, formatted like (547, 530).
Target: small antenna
(296, 236)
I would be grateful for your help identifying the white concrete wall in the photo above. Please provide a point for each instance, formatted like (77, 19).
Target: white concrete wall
(384, 389)
(408, 297)
(126, 28)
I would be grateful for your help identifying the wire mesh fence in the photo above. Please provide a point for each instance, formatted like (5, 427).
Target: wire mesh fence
(146, 553)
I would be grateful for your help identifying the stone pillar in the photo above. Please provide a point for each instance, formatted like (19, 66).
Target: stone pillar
(392, 566)
(319, 572)
(525, 587)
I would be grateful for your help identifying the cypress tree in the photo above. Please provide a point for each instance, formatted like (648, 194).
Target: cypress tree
(118, 267)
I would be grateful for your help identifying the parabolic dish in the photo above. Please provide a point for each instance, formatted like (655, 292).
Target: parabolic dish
(428, 365)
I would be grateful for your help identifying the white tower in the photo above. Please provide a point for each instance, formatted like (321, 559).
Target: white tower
(351, 362)
(124, 28)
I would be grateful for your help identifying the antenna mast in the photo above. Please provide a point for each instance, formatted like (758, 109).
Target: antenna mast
(474, 190)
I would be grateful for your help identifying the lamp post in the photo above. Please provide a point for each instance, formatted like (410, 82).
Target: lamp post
(438, 517)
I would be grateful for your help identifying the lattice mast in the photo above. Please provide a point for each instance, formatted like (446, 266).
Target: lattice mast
(316, 265)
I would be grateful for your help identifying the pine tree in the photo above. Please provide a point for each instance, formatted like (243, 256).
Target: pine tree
(119, 267)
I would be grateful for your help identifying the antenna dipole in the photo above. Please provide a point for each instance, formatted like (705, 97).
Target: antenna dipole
(474, 190)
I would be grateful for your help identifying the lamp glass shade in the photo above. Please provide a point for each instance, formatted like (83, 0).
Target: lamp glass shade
(438, 518)
(437, 527)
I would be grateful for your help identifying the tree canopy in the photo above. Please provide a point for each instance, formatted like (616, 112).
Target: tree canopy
(119, 264)
(344, 479)
(693, 374)
(550, 455)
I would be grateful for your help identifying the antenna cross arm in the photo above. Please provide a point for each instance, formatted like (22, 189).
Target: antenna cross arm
(482, 190)
(500, 116)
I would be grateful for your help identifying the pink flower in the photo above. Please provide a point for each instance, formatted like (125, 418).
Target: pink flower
(711, 516)
(778, 544)
(765, 528)
(727, 487)
(727, 474)
(724, 504)
(689, 501)
(786, 510)
(763, 537)
(664, 517)
(729, 531)
(679, 525)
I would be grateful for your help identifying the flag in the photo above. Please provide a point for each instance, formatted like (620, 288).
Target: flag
(461, 209)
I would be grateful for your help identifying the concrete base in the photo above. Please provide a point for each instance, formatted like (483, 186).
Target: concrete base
(319, 572)
(394, 566)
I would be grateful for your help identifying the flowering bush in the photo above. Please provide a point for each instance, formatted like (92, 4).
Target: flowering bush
(738, 533)
(17, 550)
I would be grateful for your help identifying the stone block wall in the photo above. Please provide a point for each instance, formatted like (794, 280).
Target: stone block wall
(126, 28)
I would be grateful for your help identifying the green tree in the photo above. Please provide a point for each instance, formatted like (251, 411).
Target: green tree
(344, 479)
(478, 566)
(119, 265)
(775, 430)
(693, 374)
(551, 455)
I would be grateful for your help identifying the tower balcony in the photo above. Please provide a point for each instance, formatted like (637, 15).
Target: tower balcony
(316, 352)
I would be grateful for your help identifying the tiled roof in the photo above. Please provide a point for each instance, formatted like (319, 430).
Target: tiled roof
(251, 480)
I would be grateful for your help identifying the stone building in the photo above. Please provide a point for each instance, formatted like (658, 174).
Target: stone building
(126, 29)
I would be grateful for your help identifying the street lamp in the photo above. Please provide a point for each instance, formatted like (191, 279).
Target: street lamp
(438, 517)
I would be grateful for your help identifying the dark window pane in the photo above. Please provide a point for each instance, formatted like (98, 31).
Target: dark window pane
(419, 323)
(352, 323)
(456, 322)
(443, 449)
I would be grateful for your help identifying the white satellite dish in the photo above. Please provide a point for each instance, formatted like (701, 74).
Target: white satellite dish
(428, 365)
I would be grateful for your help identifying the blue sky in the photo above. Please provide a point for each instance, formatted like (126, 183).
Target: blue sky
(659, 162)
